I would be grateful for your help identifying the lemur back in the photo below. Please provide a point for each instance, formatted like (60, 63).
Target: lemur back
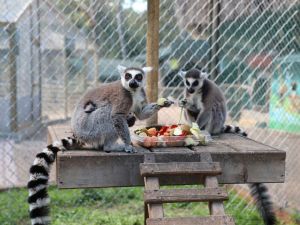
(97, 126)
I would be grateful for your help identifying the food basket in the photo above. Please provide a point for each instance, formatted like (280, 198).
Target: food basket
(203, 138)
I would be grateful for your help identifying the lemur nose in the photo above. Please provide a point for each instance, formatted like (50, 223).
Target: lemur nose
(133, 84)
(191, 90)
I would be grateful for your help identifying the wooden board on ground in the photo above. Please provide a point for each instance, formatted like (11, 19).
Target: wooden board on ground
(242, 160)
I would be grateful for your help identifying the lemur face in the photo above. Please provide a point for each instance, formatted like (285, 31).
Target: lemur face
(133, 78)
(193, 80)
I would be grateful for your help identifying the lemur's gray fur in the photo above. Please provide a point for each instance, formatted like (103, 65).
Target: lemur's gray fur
(205, 104)
(101, 116)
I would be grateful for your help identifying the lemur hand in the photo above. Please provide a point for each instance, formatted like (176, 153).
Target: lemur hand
(163, 102)
(130, 119)
(167, 103)
(182, 103)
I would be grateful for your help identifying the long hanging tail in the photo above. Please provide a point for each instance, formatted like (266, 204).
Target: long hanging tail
(259, 191)
(38, 183)
(263, 202)
(234, 129)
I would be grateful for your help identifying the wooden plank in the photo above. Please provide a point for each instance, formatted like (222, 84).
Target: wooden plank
(185, 195)
(211, 220)
(242, 144)
(215, 208)
(171, 150)
(151, 184)
(152, 53)
(79, 169)
(175, 168)
(238, 166)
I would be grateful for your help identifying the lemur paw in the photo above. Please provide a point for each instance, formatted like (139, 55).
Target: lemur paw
(182, 103)
(155, 107)
(130, 119)
(167, 103)
(129, 149)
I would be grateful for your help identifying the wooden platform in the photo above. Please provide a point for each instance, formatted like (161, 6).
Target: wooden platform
(242, 160)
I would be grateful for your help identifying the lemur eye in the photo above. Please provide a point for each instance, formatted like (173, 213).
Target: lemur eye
(128, 76)
(195, 83)
(139, 77)
(187, 83)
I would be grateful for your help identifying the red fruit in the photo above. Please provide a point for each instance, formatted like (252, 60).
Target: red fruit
(152, 132)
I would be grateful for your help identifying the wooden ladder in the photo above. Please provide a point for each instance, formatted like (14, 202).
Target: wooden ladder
(154, 197)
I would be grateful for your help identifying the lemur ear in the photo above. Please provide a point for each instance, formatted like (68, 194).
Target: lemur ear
(182, 74)
(121, 69)
(204, 75)
(147, 69)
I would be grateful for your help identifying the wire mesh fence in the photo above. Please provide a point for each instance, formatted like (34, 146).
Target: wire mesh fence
(53, 50)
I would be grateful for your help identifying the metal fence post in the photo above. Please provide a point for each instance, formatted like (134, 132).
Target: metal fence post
(13, 111)
(214, 39)
(153, 53)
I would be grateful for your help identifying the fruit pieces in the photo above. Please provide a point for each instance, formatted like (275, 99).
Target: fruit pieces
(185, 127)
(177, 131)
(195, 130)
(161, 101)
(190, 142)
(152, 132)
(150, 142)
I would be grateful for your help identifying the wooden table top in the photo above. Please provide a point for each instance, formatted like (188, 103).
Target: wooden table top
(242, 161)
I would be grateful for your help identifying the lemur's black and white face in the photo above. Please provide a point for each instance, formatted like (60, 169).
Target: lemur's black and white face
(193, 80)
(133, 78)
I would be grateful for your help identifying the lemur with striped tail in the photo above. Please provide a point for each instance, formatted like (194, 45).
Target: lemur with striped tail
(205, 104)
(101, 116)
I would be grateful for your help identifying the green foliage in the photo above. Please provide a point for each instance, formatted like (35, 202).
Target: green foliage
(111, 206)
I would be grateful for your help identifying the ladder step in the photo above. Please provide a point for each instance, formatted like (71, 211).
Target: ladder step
(211, 220)
(185, 195)
(176, 168)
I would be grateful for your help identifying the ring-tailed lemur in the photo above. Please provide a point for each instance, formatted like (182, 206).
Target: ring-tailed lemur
(205, 104)
(101, 116)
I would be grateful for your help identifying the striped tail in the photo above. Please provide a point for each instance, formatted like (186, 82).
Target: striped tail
(263, 202)
(38, 183)
(234, 129)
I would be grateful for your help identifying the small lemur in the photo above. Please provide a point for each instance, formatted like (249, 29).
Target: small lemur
(101, 116)
(205, 104)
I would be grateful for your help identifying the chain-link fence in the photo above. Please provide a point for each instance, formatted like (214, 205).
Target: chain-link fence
(53, 50)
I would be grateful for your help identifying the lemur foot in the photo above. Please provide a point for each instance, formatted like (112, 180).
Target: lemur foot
(129, 149)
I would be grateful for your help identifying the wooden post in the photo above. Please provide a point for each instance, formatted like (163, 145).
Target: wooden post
(13, 51)
(153, 53)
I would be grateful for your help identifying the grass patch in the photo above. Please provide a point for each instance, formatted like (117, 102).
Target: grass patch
(111, 206)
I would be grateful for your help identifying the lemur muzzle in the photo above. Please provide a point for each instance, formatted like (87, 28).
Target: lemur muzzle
(133, 84)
